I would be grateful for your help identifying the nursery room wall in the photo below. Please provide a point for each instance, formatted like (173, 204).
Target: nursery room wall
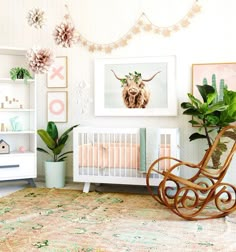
(208, 37)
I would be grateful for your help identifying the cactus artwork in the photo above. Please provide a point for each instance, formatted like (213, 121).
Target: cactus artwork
(222, 86)
(205, 81)
(220, 90)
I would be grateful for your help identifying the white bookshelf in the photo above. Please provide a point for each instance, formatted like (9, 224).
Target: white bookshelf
(17, 119)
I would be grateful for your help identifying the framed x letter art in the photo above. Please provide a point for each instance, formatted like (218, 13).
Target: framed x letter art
(57, 74)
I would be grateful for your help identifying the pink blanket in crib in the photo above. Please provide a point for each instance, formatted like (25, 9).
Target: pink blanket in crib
(111, 155)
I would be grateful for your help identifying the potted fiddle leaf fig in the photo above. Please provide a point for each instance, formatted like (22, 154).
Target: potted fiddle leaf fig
(55, 166)
(212, 113)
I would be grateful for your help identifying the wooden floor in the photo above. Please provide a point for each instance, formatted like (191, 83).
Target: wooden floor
(9, 187)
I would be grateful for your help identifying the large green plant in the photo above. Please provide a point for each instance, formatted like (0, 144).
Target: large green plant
(210, 114)
(54, 142)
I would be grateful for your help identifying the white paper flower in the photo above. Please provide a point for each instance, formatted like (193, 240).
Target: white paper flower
(40, 60)
(36, 18)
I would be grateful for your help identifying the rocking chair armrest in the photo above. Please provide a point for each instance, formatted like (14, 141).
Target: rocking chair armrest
(190, 165)
(166, 157)
(171, 168)
(163, 158)
(183, 181)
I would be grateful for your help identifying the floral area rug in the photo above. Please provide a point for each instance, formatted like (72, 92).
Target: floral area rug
(39, 219)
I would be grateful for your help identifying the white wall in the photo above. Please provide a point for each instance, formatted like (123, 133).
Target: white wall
(209, 38)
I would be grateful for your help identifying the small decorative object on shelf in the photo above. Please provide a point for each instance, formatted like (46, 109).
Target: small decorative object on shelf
(4, 147)
(20, 73)
(3, 127)
(15, 124)
(22, 149)
(11, 103)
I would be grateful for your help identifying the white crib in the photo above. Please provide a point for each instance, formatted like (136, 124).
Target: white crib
(119, 155)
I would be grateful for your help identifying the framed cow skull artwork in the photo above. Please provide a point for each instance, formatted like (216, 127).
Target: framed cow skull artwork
(135, 86)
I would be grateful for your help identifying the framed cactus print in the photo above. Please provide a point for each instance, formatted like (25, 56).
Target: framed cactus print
(219, 75)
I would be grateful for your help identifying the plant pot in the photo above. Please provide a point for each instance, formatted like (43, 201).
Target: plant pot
(55, 174)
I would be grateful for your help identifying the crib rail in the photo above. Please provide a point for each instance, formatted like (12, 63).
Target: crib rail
(113, 152)
(112, 155)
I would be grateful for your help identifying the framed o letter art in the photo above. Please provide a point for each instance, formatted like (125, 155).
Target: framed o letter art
(57, 106)
(57, 74)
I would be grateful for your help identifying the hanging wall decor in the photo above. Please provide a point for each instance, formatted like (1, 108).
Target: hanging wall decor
(57, 106)
(40, 60)
(57, 74)
(36, 18)
(83, 96)
(66, 35)
(156, 75)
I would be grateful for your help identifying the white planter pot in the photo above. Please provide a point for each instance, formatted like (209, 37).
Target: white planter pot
(55, 174)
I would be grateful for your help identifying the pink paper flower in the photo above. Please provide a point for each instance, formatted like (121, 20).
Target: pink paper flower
(40, 60)
(64, 34)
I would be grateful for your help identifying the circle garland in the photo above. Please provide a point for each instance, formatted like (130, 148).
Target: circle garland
(143, 23)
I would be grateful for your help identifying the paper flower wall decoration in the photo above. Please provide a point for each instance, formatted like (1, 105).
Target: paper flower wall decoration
(36, 18)
(40, 60)
(64, 34)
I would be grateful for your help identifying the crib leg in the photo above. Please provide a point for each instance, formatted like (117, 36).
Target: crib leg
(86, 187)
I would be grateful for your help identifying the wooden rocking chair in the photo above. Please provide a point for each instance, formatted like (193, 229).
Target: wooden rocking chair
(204, 195)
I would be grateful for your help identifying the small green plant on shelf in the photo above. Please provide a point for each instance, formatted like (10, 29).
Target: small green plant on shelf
(20, 73)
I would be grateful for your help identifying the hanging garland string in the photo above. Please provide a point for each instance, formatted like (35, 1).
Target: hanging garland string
(66, 31)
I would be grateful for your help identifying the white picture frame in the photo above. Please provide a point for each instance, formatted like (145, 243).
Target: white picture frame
(108, 90)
